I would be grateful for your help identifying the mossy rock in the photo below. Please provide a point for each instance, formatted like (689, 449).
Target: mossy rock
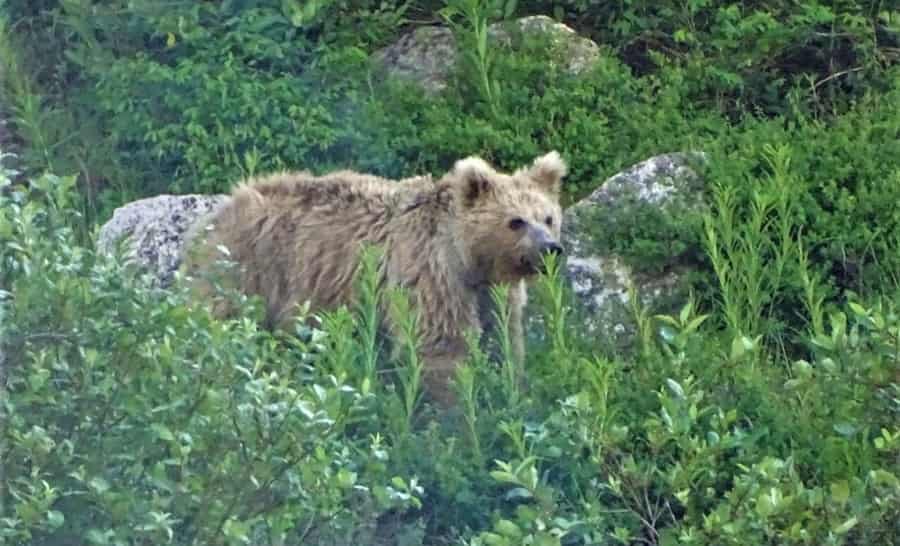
(640, 228)
(428, 54)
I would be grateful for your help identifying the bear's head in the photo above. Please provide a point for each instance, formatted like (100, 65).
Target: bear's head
(504, 224)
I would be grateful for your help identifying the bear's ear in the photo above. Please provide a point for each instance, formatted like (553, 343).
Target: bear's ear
(473, 178)
(548, 171)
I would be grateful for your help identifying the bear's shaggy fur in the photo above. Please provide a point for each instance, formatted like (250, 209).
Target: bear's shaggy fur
(296, 238)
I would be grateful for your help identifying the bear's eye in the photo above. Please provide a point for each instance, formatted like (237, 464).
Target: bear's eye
(516, 224)
(549, 221)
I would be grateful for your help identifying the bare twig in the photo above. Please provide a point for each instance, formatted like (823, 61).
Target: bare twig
(836, 75)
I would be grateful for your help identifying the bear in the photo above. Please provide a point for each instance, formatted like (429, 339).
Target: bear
(296, 239)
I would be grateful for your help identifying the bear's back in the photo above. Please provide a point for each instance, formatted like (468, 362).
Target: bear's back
(297, 236)
(302, 189)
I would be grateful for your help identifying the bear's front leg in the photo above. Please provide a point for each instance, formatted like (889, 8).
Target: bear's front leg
(438, 374)
(518, 297)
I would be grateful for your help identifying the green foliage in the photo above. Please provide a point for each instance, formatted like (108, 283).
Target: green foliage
(744, 56)
(132, 416)
(405, 316)
(233, 81)
(191, 97)
(764, 411)
(164, 80)
(473, 39)
(750, 257)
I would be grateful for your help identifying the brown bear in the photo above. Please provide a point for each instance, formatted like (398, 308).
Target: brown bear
(296, 238)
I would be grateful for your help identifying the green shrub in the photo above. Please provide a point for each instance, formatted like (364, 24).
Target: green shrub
(193, 96)
(747, 56)
(602, 122)
(843, 179)
(131, 418)
(189, 96)
(764, 413)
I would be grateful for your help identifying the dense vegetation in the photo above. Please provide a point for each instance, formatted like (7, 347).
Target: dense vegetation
(765, 411)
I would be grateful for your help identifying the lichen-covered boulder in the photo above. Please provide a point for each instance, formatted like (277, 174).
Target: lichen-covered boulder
(576, 52)
(153, 230)
(427, 54)
(424, 56)
(663, 189)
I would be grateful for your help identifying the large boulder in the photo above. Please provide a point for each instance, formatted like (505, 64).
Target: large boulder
(427, 54)
(598, 277)
(153, 231)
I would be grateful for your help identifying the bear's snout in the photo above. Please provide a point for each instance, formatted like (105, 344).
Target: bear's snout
(533, 261)
(552, 247)
(545, 243)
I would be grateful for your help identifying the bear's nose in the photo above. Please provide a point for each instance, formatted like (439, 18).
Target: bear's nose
(553, 248)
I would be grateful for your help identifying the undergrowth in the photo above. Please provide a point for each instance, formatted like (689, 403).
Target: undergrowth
(763, 411)
(132, 416)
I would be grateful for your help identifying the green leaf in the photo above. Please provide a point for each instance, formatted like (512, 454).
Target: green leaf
(695, 323)
(55, 518)
(346, 478)
(681, 35)
(883, 477)
(846, 430)
(767, 502)
(510, 8)
(493, 539)
(502, 476)
(96, 536)
(685, 312)
(544, 538)
(840, 492)
(507, 528)
(99, 485)
(675, 387)
(163, 432)
(802, 369)
(846, 526)
(518, 493)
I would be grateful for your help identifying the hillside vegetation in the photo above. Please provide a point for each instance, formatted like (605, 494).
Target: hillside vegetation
(764, 411)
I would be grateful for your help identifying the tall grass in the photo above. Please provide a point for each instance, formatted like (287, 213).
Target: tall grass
(752, 251)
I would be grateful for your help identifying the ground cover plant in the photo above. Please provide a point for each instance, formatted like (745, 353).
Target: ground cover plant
(764, 410)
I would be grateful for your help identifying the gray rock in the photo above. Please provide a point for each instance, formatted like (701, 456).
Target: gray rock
(424, 56)
(576, 52)
(600, 279)
(155, 229)
(427, 54)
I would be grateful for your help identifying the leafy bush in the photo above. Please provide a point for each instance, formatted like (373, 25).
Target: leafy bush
(744, 56)
(764, 412)
(133, 417)
(194, 96)
(154, 84)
